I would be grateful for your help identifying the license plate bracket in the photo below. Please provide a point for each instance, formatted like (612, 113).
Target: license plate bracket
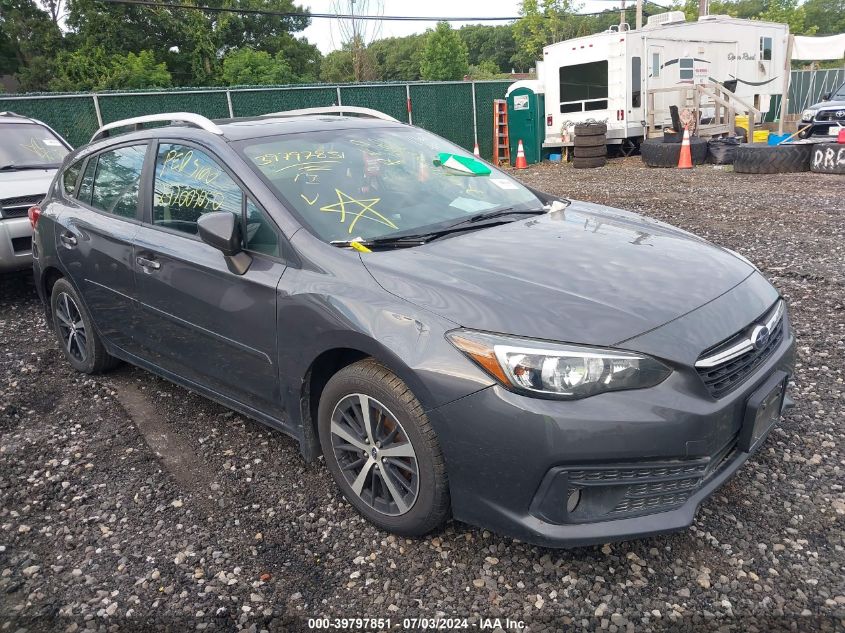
(762, 411)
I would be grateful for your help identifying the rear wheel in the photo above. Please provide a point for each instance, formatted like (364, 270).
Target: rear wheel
(80, 344)
(382, 451)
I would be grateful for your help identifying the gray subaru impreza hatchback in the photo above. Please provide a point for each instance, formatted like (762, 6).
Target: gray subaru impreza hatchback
(451, 341)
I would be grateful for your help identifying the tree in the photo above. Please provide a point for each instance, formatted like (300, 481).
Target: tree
(543, 22)
(30, 39)
(489, 43)
(132, 72)
(247, 66)
(94, 69)
(398, 58)
(337, 67)
(828, 16)
(486, 69)
(444, 57)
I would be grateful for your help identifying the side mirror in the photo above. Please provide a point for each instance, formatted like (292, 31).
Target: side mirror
(826, 96)
(222, 231)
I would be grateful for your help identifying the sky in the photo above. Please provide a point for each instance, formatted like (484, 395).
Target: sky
(324, 32)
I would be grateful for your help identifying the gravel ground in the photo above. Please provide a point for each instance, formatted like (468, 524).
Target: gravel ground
(127, 503)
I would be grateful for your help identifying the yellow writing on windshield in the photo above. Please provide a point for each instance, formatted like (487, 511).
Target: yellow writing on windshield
(357, 210)
(299, 156)
(44, 153)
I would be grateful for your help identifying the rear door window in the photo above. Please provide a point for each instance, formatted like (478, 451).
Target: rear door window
(117, 180)
(189, 183)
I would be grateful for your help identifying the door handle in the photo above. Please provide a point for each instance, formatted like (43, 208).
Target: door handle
(68, 239)
(146, 263)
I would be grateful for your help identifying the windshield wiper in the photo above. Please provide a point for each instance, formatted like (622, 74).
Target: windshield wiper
(417, 239)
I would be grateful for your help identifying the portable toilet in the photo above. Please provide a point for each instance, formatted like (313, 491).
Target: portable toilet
(526, 109)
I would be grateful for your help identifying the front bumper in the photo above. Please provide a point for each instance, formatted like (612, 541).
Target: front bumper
(644, 460)
(15, 244)
(820, 128)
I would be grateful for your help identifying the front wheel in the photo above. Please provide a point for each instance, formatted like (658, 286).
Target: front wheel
(382, 451)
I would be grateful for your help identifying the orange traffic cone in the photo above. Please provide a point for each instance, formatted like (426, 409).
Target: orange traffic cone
(476, 152)
(521, 163)
(685, 159)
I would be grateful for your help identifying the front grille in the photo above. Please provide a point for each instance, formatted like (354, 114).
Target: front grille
(625, 474)
(830, 115)
(721, 379)
(18, 207)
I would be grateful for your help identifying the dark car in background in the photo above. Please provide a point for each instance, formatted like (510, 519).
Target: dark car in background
(826, 117)
(30, 153)
(450, 340)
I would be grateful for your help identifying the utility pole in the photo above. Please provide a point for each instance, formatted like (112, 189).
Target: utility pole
(703, 7)
(639, 14)
(622, 15)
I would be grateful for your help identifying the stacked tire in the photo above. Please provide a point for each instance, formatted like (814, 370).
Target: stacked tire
(590, 145)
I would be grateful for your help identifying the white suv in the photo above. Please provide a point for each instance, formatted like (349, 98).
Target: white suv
(30, 154)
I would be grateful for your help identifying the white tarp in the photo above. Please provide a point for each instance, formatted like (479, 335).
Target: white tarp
(819, 48)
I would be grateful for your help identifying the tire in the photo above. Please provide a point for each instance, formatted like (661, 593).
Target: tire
(656, 153)
(590, 129)
(589, 163)
(590, 141)
(73, 326)
(758, 158)
(590, 152)
(423, 503)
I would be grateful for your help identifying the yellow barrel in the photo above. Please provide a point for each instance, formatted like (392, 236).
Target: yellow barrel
(742, 121)
(761, 136)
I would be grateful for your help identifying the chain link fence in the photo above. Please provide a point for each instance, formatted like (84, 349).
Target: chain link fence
(459, 111)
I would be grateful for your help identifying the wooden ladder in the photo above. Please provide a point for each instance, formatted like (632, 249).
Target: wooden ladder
(501, 140)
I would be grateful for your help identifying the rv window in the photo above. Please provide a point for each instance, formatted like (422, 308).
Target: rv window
(655, 64)
(636, 82)
(685, 65)
(765, 48)
(583, 82)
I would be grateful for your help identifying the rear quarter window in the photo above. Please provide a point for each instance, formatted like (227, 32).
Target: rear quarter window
(70, 176)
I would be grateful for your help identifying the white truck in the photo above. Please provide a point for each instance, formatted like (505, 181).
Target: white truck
(629, 78)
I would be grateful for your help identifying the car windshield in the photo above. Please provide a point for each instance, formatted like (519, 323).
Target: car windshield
(29, 145)
(375, 182)
(839, 95)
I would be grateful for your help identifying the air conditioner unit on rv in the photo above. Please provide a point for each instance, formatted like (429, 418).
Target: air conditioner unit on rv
(669, 17)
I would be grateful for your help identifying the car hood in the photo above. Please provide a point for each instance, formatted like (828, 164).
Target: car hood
(26, 182)
(587, 274)
(828, 105)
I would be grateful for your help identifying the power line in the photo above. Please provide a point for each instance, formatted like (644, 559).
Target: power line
(329, 16)
(339, 16)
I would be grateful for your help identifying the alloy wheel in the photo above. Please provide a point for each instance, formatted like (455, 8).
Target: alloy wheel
(71, 327)
(375, 454)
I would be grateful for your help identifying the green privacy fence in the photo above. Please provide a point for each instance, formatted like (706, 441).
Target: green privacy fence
(806, 87)
(459, 111)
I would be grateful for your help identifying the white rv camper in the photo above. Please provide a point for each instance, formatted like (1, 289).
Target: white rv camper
(608, 76)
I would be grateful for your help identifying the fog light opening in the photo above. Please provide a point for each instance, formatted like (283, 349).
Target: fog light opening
(573, 500)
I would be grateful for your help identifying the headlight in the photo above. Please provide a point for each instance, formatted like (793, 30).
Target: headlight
(808, 114)
(557, 370)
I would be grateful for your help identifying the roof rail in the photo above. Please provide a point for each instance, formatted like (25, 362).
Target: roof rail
(375, 114)
(195, 120)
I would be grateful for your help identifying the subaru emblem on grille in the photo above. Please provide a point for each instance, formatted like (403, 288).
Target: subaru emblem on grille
(760, 336)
